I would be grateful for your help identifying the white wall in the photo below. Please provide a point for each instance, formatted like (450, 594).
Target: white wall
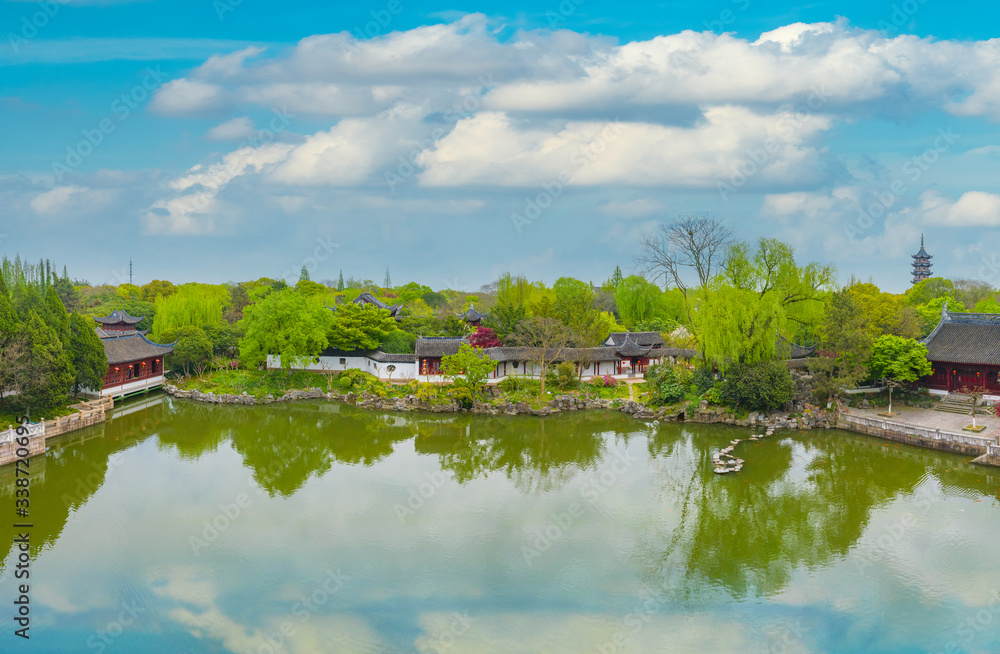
(404, 370)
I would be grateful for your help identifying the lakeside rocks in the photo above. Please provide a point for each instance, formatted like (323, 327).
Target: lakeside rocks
(557, 404)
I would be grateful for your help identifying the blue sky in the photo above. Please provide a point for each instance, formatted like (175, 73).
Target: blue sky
(230, 140)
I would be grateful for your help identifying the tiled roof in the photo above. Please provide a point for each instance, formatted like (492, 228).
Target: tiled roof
(972, 338)
(133, 347)
(630, 348)
(508, 353)
(642, 339)
(368, 298)
(439, 346)
(785, 349)
(117, 317)
(471, 315)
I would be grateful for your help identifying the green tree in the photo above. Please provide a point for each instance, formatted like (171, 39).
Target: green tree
(52, 374)
(616, 277)
(195, 305)
(157, 288)
(193, 351)
(286, 324)
(900, 360)
(388, 280)
(930, 312)
(987, 305)
(759, 386)
(357, 327)
(8, 317)
(636, 299)
(929, 289)
(398, 342)
(304, 275)
(846, 339)
(86, 354)
(548, 339)
(469, 368)
(56, 316)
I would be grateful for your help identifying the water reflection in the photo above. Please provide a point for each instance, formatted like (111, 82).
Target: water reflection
(329, 477)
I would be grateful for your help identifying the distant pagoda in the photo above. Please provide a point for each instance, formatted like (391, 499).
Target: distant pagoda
(921, 263)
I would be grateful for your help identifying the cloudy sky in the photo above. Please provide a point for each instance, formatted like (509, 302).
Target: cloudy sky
(218, 140)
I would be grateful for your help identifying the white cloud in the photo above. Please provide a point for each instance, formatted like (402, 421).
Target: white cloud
(492, 149)
(973, 209)
(195, 207)
(183, 96)
(236, 129)
(71, 200)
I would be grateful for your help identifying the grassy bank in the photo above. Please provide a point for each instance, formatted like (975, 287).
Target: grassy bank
(261, 383)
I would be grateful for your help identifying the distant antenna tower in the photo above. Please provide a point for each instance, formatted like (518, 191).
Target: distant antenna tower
(130, 271)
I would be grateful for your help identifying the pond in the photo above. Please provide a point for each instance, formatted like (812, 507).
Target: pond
(318, 527)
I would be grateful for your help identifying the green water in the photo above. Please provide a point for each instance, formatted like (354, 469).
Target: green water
(339, 530)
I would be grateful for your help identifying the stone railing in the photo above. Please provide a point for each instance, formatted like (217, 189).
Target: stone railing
(934, 438)
(9, 446)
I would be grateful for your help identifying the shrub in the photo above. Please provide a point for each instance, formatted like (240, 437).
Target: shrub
(461, 393)
(355, 380)
(703, 379)
(713, 395)
(758, 387)
(427, 392)
(565, 376)
(668, 383)
(511, 384)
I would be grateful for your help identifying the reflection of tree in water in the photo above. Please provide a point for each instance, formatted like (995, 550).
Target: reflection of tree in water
(285, 444)
(70, 473)
(746, 533)
(537, 454)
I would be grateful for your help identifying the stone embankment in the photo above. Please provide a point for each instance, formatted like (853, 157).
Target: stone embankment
(558, 404)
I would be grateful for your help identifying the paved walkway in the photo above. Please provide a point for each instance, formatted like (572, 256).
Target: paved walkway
(931, 419)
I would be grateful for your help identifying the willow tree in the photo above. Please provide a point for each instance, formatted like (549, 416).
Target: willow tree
(756, 295)
(197, 305)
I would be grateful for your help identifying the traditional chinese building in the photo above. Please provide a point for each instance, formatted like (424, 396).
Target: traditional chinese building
(921, 263)
(367, 299)
(118, 321)
(471, 316)
(964, 350)
(135, 363)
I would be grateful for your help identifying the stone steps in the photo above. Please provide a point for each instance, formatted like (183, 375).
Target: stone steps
(960, 404)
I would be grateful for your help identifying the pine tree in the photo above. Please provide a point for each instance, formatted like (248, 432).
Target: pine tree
(8, 318)
(304, 275)
(388, 280)
(86, 353)
(56, 316)
(340, 281)
(52, 374)
(616, 278)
